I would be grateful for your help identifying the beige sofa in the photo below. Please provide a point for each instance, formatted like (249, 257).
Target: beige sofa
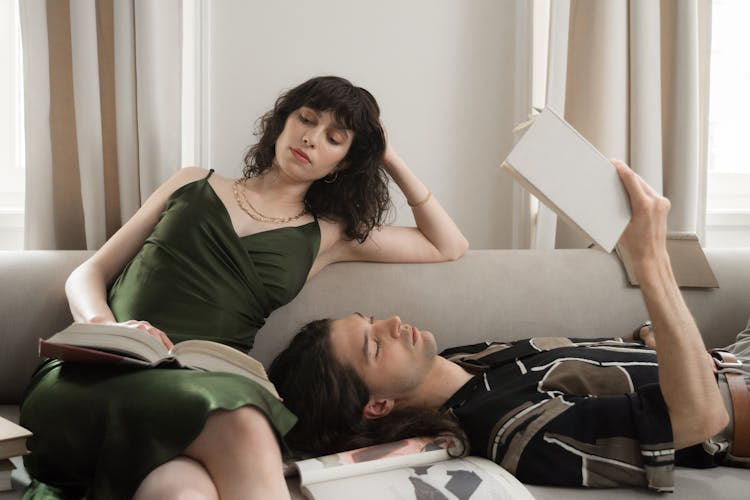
(499, 294)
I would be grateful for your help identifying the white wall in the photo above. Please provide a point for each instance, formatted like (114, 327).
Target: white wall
(440, 69)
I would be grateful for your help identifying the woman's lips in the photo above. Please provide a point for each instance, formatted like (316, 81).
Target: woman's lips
(414, 335)
(300, 155)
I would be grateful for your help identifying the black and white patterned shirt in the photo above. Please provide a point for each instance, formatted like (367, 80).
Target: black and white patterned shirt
(568, 412)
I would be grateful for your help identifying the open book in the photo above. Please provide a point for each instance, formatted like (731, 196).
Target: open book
(412, 468)
(568, 174)
(12, 439)
(97, 343)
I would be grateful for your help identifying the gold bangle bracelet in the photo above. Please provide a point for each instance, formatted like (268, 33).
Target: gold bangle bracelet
(420, 203)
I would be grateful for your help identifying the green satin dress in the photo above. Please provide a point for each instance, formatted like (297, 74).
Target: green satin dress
(99, 430)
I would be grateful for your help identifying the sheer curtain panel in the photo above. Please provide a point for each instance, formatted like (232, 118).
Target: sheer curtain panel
(635, 85)
(102, 105)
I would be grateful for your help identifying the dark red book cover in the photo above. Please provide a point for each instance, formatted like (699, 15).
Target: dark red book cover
(77, 354)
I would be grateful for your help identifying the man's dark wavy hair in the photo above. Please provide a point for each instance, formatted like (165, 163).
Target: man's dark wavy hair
(359, 197)
(328, 398)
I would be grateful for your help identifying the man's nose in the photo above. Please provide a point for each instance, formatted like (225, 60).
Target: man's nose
(394, 326)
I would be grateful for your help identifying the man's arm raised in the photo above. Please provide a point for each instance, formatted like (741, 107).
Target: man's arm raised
(695, 406)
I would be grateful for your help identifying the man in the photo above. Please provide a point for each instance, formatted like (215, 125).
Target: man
(550, 410)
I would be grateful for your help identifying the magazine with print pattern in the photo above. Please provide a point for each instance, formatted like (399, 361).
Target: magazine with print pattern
(415, 468)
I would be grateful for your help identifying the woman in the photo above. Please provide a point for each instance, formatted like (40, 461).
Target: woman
(602, 411)
(211, 257)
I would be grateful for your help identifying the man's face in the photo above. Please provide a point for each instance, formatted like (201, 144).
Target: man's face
(391, 357)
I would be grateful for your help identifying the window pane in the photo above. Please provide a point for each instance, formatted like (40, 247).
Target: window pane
(730, 87)
(11, 129)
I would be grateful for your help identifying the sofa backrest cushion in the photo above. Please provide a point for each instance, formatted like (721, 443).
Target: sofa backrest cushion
(488, 294)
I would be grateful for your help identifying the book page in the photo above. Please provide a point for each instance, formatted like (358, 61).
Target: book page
(508, 480)
(216, 357)
(406, 452)
(10, 430)
(186, 349)
(450, 479)
(12, 439)
(116, 338)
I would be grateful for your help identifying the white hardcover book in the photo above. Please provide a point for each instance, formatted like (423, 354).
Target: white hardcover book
(568, 174)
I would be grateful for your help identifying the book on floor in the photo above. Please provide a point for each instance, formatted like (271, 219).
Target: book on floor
(12, 439)
(421, 467)
(6, 468)
(568, 174)
(98, 343)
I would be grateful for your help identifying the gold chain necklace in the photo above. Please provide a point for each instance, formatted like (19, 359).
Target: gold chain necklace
(254, 213)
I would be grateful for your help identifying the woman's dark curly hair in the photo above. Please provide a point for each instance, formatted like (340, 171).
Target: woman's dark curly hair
(328, 398)
(359, 197)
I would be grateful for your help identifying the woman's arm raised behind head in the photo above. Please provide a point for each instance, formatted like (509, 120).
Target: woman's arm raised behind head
(436, 238)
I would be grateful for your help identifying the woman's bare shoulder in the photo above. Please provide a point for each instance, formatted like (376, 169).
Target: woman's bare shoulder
(189, 174)
(182, 176)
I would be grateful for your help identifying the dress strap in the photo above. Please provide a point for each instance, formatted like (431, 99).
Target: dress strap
(211, 171)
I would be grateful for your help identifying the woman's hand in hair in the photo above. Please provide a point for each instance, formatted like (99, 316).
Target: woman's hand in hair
(402, 175)
(391, 158)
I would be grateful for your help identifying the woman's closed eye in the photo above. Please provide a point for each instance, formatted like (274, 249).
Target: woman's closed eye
(337, 135)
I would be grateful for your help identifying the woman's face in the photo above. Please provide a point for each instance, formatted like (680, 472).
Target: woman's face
(311, 145)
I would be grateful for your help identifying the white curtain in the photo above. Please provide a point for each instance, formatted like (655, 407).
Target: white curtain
(102, 114)
(632, 77)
